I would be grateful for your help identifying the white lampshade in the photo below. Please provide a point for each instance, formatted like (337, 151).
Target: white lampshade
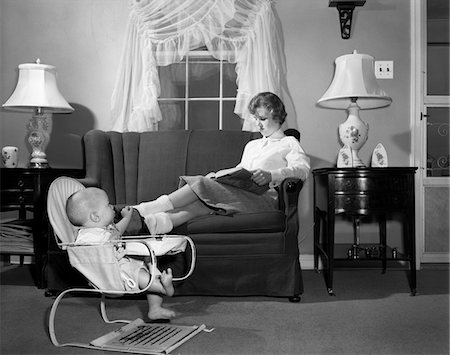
(36, 91)
(37, 88)
(354, 77)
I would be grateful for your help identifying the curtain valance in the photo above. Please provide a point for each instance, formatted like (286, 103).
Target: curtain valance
(161, 32)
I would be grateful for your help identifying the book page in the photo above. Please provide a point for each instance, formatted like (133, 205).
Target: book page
(229, 171)
(241, 178)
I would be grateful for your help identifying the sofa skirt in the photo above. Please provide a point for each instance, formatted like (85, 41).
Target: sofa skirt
(275, 276)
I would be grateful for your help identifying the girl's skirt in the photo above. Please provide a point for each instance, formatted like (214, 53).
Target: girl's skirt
(226, 199)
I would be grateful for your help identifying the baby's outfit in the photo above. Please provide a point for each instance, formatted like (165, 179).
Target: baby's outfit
(129, 268)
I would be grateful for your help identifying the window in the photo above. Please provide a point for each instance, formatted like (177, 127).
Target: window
(198, 93)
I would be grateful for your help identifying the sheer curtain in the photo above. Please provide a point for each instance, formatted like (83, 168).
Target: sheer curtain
(161, 32)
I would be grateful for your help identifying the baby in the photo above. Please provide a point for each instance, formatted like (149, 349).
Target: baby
(90, 209)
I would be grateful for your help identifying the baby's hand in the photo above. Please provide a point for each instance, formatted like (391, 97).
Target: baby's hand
(126, 211)
(211, 175)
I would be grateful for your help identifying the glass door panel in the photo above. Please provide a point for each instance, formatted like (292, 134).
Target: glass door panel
(438, 141)
(438, 57)
(435, 185)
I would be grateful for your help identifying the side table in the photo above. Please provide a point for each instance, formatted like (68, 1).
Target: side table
(358, 192)
(25, 190)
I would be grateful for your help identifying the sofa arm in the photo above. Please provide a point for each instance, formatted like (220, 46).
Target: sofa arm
(288, 193)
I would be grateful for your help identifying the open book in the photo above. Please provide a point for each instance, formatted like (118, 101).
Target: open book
(241, 178)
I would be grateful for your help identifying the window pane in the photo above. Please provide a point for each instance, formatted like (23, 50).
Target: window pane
(173, 80)
(438, 141)
(172, 115)
(438, 57)
(438, 69)
(203, 115)
(229, 80)
(204, 79)
(231, 121)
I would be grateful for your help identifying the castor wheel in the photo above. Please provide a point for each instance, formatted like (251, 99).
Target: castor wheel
(295, 299)
(50, 293)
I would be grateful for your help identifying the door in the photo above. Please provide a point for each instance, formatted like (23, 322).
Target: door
(432, 126)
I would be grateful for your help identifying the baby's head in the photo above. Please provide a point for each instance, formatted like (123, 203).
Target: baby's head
(89, 207)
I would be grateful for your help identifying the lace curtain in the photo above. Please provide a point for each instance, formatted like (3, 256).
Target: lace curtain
(161, 32)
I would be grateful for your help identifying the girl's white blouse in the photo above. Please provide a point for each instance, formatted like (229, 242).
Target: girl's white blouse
(283, 157)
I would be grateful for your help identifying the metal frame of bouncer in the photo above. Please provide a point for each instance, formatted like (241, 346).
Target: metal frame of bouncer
(55, 206)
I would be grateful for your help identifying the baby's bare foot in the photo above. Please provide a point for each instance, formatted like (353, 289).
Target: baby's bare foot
(161, 313)
(166, 280)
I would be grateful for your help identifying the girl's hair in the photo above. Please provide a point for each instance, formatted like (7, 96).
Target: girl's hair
(271, 102)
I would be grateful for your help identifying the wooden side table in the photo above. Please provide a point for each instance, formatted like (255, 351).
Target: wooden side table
(25, 190)
(358, 192)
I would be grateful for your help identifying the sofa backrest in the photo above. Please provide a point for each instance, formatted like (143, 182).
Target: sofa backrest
(134, 167)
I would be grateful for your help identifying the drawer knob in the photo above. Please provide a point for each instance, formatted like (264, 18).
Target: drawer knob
(21, 199)
(20, 183)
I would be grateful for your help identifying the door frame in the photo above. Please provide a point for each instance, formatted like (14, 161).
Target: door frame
(417, 74)
(418, 131)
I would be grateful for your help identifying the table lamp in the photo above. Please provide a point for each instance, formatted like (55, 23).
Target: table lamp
(354, 87)
(37, 91)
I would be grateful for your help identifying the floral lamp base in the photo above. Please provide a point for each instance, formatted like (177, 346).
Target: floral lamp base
(39, 127)
(353, 133)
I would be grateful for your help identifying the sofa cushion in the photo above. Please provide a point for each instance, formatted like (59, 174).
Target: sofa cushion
(261, 222)
(221, 245)
(214, 150)
(162, 159)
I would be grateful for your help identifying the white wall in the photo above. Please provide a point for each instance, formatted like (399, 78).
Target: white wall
(83, 39)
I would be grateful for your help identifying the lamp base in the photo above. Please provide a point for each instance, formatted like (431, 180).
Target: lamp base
(356, 160)
(354, 133)
(36, 165)
(39, 127)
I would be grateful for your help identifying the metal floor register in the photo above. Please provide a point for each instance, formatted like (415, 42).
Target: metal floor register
(147, 338)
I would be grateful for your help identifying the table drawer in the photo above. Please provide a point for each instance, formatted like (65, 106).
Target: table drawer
(17, 198)
(18, 182)
(362, 184)
(357, 203)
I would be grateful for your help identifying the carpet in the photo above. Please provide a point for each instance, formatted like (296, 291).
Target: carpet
(370, 314)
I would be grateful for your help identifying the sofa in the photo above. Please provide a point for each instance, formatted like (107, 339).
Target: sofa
(241, 255)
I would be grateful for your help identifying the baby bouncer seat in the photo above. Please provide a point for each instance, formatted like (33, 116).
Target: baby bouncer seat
(99, 264)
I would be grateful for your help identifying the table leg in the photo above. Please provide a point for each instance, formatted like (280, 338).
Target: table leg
(317, 222)
(382, 226)
(356, 237)
(330, 252)
(409, 233)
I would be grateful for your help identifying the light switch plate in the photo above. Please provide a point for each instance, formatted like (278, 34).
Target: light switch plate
(384, 69)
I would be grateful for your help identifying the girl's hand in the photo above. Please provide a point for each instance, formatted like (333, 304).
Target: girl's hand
(261, 177)
(126, 211)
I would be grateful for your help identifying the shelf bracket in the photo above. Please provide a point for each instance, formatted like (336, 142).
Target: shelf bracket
(345, 9)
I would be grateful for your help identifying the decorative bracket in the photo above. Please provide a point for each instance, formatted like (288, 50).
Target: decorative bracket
(345, 9)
